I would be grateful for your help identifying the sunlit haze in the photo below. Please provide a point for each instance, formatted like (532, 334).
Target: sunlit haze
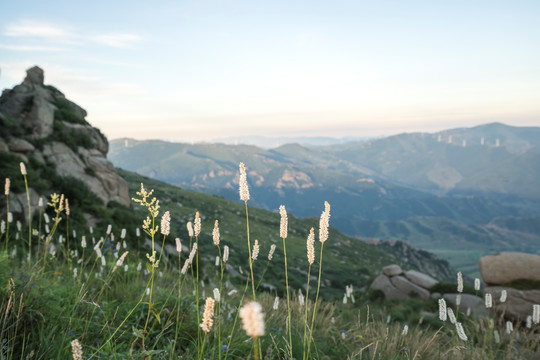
(201, 70)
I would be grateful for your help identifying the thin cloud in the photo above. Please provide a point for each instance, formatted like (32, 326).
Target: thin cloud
(125, 40)
(27, 28)
(53, 33)
(33, 48)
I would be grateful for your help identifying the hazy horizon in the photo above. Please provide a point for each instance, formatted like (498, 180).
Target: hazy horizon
(196, 71)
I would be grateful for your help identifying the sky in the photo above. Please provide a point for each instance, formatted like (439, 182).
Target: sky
(202, 70)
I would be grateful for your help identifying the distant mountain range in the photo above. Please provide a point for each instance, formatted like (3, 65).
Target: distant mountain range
(442, 191)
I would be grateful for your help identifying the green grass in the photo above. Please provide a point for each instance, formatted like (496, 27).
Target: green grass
(44, 305)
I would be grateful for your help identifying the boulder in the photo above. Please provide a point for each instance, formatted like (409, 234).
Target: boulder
(20, 145)
(509, 266)
(383, 284)
(518, 304)
(420, 279)
(392, 270)
(408, 288)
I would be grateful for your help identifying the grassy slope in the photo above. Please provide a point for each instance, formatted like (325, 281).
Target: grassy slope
(346, 260)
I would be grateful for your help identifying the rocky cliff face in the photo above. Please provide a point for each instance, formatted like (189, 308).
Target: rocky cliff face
(38, 124)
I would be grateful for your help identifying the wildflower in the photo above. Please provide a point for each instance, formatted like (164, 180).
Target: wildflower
(503, 296)
(137, 232)
(528, 322)
(232, 292)
(255, 250)
(207, 321)
(216, 294)
(442, 310)
(193, 252)
(276, 303)
(178, 245)
(67, 207)
(324, 223)
(509, 327)
(461, 332)
(536, 314)
(197, 224)
(139, 266)
(310, 246)
(124, 245)
(271, 252)
(10, 217)
(225, 254)
(120, 261)
(283, 222)
(244, 190)
(23, 168)
(190, 229)
(123, 234)
(252, 319)
(451, 315)
(166, 223)
(103, 261)
(2, 227)
(405, 330)
(76, 350)
(109, 229)
(477, 284)
(459, 282)
(215, 233)
(488, 300)
(40, 202)
(74, 272)
(6, 186)
(217, 261)
(301, 298)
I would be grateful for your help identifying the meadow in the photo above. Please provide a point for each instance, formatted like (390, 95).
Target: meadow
(171, 292)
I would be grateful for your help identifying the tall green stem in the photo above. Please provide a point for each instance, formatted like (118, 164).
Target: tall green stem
(29, 219)
(288, 301)
(249, 254)
(315, 304)
(306, 313)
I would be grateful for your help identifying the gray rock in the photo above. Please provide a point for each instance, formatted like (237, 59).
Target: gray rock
(468, 301)
(508, 266)
(392, 270)
(408, 288)
(518, 304)
(18, 204)
(420, 279)
(20, 145)
(383, 284)
(34, 76)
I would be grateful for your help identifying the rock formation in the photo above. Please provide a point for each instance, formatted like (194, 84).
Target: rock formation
(519, 275)
(505, 267)
(395, 283)
(39, 124)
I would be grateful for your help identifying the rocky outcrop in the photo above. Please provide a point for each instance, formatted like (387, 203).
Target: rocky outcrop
(518, 304)
(397, 284)
(38, 122)
(422, 260)
(506, 267)
(519, 275)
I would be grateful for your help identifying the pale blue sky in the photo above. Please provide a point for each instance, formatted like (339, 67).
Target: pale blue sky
(197, 70)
